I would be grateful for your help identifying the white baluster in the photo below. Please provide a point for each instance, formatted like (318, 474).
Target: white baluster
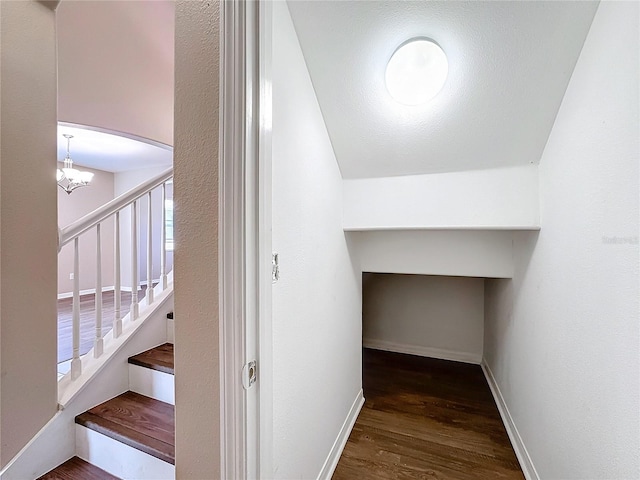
(98, 343)
(149, 252)
(134, 260)
(117, 317)
(76, 363)
(163, 240)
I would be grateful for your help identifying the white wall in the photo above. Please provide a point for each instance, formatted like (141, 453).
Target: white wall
(502, 198)
(442, 252)
(74, 206)
(28, 221)
(434, 316)
(197, 354)
(562, 337)
(316, 303)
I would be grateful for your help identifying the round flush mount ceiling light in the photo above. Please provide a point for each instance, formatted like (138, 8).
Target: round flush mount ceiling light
(416, 71)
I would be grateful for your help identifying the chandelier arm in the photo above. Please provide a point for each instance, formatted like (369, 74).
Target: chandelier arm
(79, 179)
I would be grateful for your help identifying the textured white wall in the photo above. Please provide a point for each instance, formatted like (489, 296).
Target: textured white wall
(435, 316)
(28, 221)
(116, 66)
(562, 337)
(317, 301)
(196, 232)
(503, 198)
(74, 206)
(457, 252)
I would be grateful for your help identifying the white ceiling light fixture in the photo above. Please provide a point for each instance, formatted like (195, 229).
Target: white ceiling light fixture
(416, 72)
(68, 177)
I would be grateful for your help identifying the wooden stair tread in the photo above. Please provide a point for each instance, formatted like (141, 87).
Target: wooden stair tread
(159, 358)
(77, 469)
(135, 420)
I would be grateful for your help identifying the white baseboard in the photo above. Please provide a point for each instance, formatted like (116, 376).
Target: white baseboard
(92, 291)
(88, 291)
(526, 464)
(421, 351)
(331, 462)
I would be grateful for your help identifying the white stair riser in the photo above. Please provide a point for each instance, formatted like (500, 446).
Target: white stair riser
(152, 383)
(119, 459)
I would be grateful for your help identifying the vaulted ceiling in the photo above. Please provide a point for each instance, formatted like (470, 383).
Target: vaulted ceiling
(509, 65)
(115, 73)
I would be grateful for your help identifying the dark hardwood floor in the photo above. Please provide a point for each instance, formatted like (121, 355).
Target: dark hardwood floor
(88, 320)
(426, 419)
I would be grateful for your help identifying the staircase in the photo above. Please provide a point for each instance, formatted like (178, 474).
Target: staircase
(130, 436)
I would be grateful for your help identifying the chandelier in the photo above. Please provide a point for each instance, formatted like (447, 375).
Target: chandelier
(68, 177)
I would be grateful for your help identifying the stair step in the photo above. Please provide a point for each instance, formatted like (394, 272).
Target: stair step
(77, 469)
(159, 358)
(141, 422)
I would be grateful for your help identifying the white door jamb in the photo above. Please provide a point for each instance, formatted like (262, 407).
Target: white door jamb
(233, 401)
(245, 250)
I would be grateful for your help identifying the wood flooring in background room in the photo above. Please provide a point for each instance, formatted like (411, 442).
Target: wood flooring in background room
(88, 319)
(426, 419)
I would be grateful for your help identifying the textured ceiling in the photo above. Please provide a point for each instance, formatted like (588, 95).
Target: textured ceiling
(509, 65)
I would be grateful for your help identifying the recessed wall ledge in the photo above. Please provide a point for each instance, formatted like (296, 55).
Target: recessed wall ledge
(382, 228)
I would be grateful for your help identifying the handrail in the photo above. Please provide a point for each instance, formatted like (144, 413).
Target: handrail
(90, 220)
(130, 199)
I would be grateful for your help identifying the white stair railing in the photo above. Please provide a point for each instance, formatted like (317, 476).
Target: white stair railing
(72, 233)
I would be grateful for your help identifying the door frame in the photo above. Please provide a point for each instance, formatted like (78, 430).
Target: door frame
(245, 240)
(264, 238)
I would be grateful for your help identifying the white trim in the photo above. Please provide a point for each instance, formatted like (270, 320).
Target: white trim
(232, 250)
(245, 240)
(88, 291)
(264, 332)
(333, 458)
(519, 447)
(421, 351)
(253, 271)
(378, 228)
(118, 133)
(92, 291)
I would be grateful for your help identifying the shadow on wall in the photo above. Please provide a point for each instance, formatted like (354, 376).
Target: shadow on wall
(436, 316)
(500, 292)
